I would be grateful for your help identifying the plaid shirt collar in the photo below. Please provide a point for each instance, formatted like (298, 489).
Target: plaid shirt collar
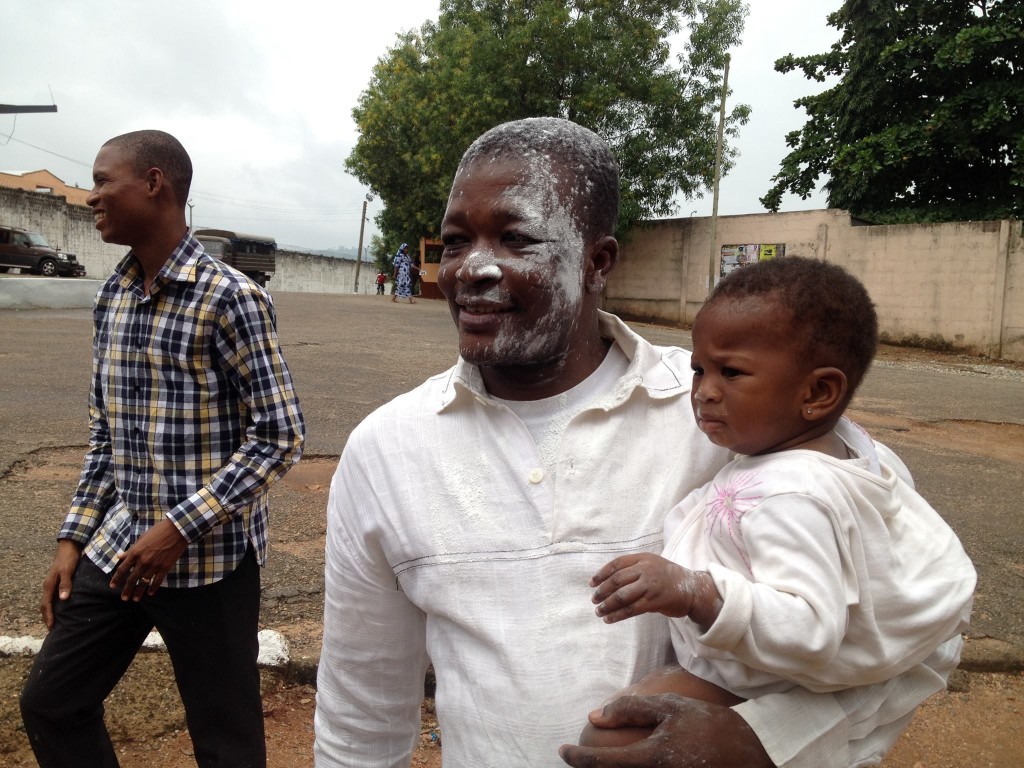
(180, 267)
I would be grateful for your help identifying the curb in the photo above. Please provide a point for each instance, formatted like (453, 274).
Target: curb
(274, 651)
(980, 654)
(989, 654)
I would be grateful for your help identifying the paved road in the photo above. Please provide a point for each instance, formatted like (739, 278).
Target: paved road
(961, 432)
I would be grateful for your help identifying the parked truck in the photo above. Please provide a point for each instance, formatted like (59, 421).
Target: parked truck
(253, 255)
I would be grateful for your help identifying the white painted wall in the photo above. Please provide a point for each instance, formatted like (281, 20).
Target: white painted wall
(958, 285)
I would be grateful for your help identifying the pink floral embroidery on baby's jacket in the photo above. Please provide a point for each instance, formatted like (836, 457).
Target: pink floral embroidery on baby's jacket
(726, 505)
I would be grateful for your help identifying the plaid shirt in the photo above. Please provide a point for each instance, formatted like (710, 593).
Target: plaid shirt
(192, 416)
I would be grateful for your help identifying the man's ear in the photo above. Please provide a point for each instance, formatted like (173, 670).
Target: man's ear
(826, 393)
(602, 256)
(155, 182)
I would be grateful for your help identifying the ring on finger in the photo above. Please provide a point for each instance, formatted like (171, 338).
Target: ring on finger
(145, 581)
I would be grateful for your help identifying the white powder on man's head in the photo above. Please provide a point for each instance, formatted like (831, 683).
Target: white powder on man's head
(590, 170)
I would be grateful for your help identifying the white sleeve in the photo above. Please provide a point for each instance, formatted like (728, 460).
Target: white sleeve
(373, 660)
(791, 618)
(852, 728)
(794, 619)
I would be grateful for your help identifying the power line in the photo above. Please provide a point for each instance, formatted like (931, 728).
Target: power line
(47, 151)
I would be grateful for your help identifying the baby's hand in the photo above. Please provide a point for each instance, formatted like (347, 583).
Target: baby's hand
(642, 583)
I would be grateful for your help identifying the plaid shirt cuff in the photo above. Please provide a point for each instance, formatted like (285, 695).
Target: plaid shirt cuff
(199, 514)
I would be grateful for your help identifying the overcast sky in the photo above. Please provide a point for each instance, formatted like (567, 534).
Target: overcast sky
(261, 95)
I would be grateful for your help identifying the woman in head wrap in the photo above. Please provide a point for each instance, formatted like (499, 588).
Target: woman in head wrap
(403, 281)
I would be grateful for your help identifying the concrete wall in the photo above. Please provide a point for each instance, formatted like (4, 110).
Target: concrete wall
(71, 227)
(312, 273)
(958, 285)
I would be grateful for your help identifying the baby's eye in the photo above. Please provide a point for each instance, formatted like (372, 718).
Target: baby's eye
(731, 373)
(697, 370)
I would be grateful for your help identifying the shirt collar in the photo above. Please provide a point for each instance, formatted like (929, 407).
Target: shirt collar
(648, 369)
(179, 267)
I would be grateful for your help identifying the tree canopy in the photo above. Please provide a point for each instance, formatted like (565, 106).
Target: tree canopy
(605, 64)
(925, 123)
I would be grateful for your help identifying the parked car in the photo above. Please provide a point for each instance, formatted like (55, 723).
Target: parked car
(29, 252)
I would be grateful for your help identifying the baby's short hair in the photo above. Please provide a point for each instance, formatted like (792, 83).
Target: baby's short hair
(595, 186)
(832, 316)
(157, 149)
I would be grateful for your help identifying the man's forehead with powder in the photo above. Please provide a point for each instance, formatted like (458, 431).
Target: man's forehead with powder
(574, 159)
(539, 189)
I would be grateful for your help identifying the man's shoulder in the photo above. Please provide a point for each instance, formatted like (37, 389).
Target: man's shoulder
(405, 423)
(222, 288)
(227, 279)
(420, 403)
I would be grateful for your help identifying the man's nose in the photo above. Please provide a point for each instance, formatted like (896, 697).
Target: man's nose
(477, 267)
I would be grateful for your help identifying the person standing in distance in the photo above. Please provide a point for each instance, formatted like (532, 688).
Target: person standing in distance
(193, 416)
(403, 275)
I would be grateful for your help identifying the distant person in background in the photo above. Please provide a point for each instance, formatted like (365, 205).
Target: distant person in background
(415, 274)
(192, 417)
(403, 278)
(381, 279)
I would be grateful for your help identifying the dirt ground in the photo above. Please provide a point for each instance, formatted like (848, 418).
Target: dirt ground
(975, 723)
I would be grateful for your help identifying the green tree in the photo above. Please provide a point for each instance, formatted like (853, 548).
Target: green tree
(605, 64)
(925, 123)
(383, 258)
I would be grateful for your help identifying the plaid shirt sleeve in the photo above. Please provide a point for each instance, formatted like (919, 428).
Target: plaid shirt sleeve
(250, 354)
(96, 489)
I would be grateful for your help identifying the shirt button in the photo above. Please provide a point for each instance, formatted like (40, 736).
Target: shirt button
(536, 475)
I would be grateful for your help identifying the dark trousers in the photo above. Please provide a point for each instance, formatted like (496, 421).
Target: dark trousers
(210, 633)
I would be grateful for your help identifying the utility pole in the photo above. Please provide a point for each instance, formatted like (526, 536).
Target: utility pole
(359, 250)
(190, 204)
(718, 178)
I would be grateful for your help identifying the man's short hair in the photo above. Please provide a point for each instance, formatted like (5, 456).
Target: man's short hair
(156, 149)
(833, 317)
(595, 186)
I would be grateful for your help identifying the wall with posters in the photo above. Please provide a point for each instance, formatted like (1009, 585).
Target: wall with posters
(958, 285)
(734, 256)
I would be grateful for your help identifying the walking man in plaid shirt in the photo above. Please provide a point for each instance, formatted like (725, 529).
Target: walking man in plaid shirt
(192, 416)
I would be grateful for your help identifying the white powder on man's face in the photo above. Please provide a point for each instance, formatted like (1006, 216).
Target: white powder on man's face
(555, 263)
(490, 272)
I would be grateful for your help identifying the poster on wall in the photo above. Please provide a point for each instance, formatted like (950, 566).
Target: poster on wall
(736, 256)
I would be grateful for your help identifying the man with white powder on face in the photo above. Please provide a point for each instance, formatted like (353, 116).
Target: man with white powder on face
(559, 439)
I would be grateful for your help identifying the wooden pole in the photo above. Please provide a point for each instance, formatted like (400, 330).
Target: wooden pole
(713, 261)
